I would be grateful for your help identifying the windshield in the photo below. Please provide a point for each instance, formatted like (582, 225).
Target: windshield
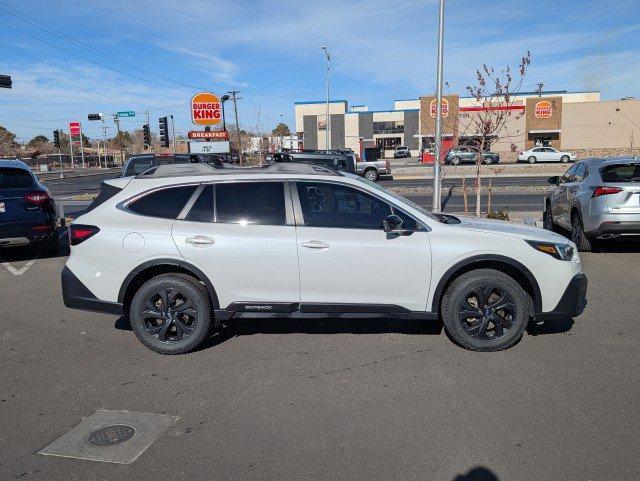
(399, 197)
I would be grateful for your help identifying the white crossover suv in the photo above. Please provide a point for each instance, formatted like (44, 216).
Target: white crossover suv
(180, 252)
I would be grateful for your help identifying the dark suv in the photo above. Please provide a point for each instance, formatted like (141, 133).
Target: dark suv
(139, 163)
(459, 155)
(27, 211)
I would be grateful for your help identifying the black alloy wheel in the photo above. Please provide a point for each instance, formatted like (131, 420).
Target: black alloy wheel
(487, 312)
(170, 315)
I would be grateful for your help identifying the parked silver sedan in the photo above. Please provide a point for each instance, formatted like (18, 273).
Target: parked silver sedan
(596, 199)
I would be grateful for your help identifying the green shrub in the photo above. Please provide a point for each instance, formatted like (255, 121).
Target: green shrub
(500, 215)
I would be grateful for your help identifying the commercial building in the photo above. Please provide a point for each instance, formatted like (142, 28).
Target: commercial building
(578, 121)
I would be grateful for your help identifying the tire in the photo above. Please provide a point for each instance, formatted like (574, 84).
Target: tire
(455, 160)
(578, 236)
(371, 174)
(565, 159)
(176, 330)
(487, 329)
(52, 245)
(488, 160)
(532, 159)
(547, 218)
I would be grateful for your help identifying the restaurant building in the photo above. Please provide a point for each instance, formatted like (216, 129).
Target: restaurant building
(575, 121)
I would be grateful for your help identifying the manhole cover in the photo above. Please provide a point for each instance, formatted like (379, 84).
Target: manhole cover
(109, 435)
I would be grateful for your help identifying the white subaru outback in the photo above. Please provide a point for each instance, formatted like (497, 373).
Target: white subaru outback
(180, 252)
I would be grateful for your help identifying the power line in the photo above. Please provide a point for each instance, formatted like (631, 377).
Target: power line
(93, 61)
(67, 84)
(74, 41)
(82, 75)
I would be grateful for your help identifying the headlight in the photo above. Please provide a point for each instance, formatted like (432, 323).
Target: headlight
(563, 252)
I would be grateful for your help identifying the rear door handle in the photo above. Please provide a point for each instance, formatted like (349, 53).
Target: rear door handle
(315, 244)
(200, 240)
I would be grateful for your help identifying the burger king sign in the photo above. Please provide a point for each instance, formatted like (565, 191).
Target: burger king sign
(206, 109)
(433, 107)
(543, 110)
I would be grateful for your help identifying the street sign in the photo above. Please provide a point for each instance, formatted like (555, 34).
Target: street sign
(218, 147)
(126, 113)
(75, 133)
(212, 135)
(206, 109)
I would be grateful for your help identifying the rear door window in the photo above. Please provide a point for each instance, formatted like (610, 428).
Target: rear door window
(621, 173)
(11, 178)
(165, 203)
(259, 203)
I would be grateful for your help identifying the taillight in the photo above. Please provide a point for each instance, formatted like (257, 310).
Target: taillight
(36, 198)
(80, 233)
(604, 190)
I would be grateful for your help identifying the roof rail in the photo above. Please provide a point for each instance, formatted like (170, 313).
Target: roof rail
(195, 169)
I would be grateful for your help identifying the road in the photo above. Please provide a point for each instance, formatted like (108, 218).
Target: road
(331, 399)
(64, 189)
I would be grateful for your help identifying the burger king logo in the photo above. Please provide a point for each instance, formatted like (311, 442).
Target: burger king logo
(433, 105)
(543, 110)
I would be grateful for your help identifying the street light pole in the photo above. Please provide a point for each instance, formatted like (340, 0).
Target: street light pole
(438, 139)
(327, 128)
(223, 99)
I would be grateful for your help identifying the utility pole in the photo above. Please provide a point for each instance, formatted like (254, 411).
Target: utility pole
(117, 122)
(540, 85)
(81, 146)
(438, 139)
(235, 99)
(327, 128)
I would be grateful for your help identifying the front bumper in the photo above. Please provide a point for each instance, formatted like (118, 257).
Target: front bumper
(572, 302)
(76, 296)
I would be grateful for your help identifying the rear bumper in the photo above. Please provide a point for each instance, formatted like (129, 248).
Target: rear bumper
(616, 228)
(572, 302)
(22, 232)
(76, 296)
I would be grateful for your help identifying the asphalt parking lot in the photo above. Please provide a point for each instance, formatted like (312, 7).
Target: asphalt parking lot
(331, 399)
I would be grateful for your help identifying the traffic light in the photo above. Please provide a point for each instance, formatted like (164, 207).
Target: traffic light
(94, 116)
(146, 132)
(56, 138)
(164, 131)
(5, 81)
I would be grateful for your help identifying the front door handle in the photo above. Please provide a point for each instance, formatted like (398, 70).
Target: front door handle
(315, 244)
(200, 240)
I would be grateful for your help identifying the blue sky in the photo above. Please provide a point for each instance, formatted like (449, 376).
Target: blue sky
(155, 54)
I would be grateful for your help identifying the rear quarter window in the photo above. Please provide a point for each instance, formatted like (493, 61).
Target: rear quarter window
(11, 178)
(621, 173)
(165, 203)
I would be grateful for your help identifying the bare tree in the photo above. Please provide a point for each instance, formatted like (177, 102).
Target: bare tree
(494, 92)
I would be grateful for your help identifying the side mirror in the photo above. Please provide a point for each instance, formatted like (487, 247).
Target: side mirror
(555, 180)
(392, 224)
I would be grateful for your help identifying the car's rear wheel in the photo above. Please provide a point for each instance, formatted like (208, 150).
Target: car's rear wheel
(564, 159)
(580, 239)
(171, 314)
(371, 174)
(532, 159)
(485, 310)
(455, 160)
(488, 160)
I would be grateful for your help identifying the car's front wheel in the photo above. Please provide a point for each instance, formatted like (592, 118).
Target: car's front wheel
(171, 313)
(488, 160)
(485, 310)
(532, 159)
(455, 160)
(564, 159)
